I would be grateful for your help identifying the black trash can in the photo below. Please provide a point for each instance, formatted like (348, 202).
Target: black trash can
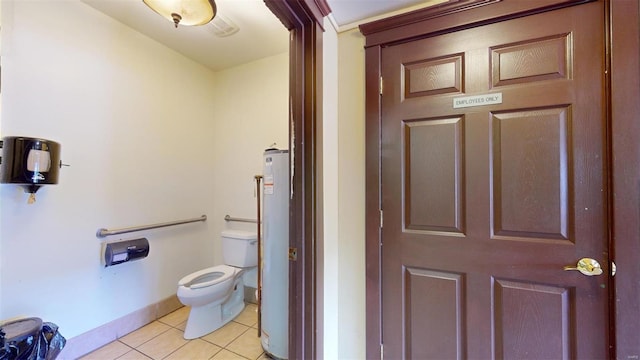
(30, 339)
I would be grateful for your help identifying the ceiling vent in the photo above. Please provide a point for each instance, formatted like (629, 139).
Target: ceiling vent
(222, 26)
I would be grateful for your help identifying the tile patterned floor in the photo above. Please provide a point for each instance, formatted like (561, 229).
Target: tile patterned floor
(162, 339)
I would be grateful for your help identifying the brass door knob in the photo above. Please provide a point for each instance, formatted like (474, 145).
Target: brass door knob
(586, 266)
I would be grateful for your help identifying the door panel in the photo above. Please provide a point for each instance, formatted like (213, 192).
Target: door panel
(434, 297)
(485, 204)
(433, 181)
(531, 167)
(522, 329)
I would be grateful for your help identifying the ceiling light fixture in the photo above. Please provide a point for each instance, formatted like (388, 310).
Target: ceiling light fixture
(184, 12)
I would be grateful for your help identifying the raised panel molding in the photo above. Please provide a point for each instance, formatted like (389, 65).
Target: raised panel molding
(532, 314)
(532, 60)
(532, 170)
(434, 76)
(434, 175)
(434, 328)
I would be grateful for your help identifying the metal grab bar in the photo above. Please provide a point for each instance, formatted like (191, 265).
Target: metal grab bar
(104, 232)
(229, 218)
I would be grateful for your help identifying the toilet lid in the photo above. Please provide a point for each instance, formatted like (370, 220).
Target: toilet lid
(207, 277)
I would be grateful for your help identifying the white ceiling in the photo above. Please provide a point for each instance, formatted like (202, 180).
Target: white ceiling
(261, 34)
(354, 12)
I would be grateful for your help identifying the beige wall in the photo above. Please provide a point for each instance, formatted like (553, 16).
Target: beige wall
(329, 274)
(150, 136)
(351, 190)
(251, 113)
(343, 267)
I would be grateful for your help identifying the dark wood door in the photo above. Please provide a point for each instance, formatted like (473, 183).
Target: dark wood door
(493, 160)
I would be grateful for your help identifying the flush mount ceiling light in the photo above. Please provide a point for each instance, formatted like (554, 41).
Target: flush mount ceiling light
(184, 12)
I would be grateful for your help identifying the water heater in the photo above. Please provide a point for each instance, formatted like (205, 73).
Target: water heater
(275, 254)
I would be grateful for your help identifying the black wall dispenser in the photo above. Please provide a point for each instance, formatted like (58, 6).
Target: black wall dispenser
(118, 252)
(29, 162)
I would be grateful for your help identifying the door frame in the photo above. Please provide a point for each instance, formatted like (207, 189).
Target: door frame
(624, 91)
(304, 19)
(622, 81)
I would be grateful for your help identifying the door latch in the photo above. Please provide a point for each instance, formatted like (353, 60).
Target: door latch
(586, 266)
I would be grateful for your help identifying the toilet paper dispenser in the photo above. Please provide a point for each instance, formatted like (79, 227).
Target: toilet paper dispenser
(118, 252)
(29, 162)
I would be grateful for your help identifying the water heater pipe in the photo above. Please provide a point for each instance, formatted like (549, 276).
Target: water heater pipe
(259, 238)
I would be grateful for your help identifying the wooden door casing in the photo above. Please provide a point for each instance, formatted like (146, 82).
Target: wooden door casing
(624, 31)
(303, 18)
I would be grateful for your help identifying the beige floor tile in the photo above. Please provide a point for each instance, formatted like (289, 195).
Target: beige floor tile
(181, 326)
(247, 345)
(144, 334)
(195, 350)
(226, 334)
(108, 352)
(163, 344)
(176, 317)
(134, 355)
(264, 356)
(248, 316)
(227, 355)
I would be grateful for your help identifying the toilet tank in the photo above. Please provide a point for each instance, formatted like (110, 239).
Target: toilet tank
(240, 248)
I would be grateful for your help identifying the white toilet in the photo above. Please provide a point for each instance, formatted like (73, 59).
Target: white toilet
(216, 294)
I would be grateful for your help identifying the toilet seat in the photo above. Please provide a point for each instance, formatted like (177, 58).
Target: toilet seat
(207, 277)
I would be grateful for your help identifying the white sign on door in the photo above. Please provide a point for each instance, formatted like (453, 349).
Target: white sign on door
(477, 100)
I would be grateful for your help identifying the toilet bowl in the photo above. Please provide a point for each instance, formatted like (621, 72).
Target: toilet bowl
(216, 294)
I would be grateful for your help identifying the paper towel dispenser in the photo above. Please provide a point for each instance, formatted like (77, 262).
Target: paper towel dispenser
(29, 162)
(118, 252)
